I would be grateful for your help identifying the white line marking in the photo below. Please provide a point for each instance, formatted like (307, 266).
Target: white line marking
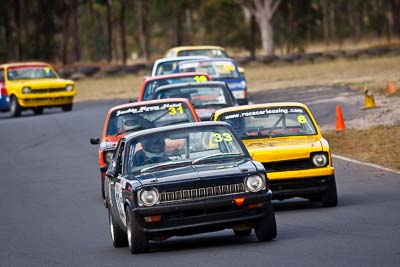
(366, 164)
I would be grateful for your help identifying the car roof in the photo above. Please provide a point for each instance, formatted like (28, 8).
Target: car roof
(191, 84)
(173, 75)
(263, 105)
(167, 59)
(189, 125)
(209, 60)
(149, 102)
(28, 63)
(198, 47)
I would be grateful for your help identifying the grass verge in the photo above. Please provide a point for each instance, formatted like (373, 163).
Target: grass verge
(378, 145)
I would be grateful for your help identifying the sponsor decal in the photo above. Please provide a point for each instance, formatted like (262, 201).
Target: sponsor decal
(143, 109)
(258, 112)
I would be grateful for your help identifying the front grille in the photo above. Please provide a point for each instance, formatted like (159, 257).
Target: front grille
(190, 194)
(48, 90)
(289, 165)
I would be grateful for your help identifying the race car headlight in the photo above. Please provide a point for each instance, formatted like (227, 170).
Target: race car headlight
(69, 88)
(319, 159)
(148, 196)
(108, 156)
(255, 183)
(26, 90)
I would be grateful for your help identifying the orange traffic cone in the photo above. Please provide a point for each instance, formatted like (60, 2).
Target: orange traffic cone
(390, 89)
(339, 119)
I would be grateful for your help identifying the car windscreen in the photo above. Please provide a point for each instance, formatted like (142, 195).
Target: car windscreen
(30, 72)
(148, 116)
(218, 70)
(180, 147)
(270, 122)
(204, 96)
(215, 53)
(166, 67)
(151, 86)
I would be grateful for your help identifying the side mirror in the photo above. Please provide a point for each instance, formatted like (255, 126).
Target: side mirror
(110, 173)
(95, 141)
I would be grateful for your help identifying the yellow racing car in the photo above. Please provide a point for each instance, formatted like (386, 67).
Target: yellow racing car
(35, 85)
(287, 140)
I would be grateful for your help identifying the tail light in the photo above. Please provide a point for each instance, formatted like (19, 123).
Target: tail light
(3, 91)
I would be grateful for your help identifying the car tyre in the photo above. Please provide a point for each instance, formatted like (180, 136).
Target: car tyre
(118, 236)
(137, 239)
(103, 192)
(266, 228)
(67, 107)
(38, 111)
(242, 232)
(15, 107)
(329, 197)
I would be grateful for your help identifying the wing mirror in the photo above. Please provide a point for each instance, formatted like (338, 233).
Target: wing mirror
(111, 173)
(95, 141)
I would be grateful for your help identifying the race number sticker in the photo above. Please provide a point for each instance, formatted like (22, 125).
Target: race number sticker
(227, 137)
(174, 110)
(200, 78)
(301, 119)
(119, 201)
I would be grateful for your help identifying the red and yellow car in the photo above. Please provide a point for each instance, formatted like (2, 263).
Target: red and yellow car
(35, 86)
(286, 139)
(127, 118)
(150, 84)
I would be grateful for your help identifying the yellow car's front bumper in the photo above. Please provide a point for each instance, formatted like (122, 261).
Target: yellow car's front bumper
(46, 99)
(302, 174)
(300, 183)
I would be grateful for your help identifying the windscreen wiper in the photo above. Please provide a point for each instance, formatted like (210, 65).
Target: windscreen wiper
(167, 165)
(217, 156)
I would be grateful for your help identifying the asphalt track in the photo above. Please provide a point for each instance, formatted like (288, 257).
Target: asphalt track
(52, 213)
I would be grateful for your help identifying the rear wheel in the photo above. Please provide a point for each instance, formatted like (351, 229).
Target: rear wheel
(329, 197)
(38, 110)
(15, 107)
(137, 240)
(266, 228)
(118, 236)
(67, 107)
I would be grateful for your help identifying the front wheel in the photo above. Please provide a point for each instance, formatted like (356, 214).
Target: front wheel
(38, 110)
(118, 236)
(329, 197)
(15, 107)
(266, 228)
(137, 240)
(242, 232)
(67, 107)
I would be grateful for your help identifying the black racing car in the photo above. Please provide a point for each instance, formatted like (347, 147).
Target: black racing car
(185, 179)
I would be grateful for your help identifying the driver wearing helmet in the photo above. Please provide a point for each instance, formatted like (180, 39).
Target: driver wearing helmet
(129, 123)
(153, 151)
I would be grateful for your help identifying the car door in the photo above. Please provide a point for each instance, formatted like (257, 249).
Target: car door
(116, 184)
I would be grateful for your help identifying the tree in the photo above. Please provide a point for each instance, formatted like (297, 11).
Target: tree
(109, 30)
(263, 11)
(142, 11)
(122, 31)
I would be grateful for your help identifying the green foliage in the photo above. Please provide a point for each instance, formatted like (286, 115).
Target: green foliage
(35, 29)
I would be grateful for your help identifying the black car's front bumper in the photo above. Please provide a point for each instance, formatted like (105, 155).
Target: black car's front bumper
(208, 214)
